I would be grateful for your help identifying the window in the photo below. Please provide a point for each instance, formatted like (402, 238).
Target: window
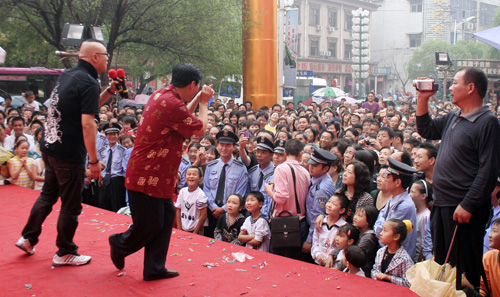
(314, 15)
(347, 49)
(314, 46)
(348, 21)
(416, 5)
(415, 40)
(332, 47)
(332, 17)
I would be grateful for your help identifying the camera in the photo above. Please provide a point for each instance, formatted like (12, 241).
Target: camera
(425, 85)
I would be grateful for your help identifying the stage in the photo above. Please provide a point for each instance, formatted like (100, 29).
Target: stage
(206, 267)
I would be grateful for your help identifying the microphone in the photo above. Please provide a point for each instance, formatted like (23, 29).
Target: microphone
(122, 88)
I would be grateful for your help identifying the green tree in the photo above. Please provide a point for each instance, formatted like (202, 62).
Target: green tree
(149, 35)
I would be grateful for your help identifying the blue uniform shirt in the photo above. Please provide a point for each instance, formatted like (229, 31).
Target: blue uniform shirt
(321, 189)
(236, 180)
(185, 164)
(254, 177)
(400, 207)
(119, 162)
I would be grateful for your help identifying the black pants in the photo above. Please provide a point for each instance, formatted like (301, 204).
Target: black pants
(153, 219)
(64, 179)
(467, 250)
(112, 196)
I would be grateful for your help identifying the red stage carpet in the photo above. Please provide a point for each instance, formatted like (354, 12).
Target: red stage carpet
(264, 275)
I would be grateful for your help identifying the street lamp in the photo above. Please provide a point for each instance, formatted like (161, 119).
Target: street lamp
(360, 46)
(443, 63)
(74, 34)
(283, 6)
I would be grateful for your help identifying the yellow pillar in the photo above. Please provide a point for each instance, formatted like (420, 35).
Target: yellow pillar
(260, 52)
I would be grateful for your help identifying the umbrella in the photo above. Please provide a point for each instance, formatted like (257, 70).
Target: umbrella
(490, 36)
(141, 99)
(328, 92)
(316, 99)
(348, 99)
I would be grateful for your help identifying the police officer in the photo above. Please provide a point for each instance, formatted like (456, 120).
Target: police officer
(320, 190)
(223, 176)
(397, 179)
(261, 173)
(112, 190)
(279, 152)
(185, 164)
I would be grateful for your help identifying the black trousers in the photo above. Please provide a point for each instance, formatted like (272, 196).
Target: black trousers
(467, 250)
(153, 219)
(112, 196)
(64, 179)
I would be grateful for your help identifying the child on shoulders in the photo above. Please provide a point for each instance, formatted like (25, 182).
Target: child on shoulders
(191, 204)
(255, 231)
(229, 223)
(323, 240)
(392, 260)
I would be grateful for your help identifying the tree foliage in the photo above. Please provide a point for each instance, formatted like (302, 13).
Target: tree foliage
(141, 35)
(422, 62)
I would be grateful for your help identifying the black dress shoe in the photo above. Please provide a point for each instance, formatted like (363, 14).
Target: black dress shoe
(118, 260)
(166, 274)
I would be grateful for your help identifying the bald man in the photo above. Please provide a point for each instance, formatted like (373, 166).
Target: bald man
(69, 135)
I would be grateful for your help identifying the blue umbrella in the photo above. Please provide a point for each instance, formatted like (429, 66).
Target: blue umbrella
(490, 36)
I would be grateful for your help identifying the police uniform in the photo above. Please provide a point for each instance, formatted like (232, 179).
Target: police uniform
(112, 189)
(254, 175)
(185, 164)
(279, 146)
(400, 207)
(235, 182)
(321, 189)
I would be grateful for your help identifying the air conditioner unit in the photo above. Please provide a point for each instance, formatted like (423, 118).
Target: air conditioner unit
(470, 26)
(331, 29)
(319, 28)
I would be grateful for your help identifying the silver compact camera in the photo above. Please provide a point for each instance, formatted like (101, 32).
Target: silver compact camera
(425, 85)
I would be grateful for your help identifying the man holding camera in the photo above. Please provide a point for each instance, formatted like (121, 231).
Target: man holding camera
(465, 171)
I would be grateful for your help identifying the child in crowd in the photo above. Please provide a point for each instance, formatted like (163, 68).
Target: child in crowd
(191, 204)
(20, 165)
(364, 219)
(347, 236)
(255, 230)
(393, 261)
(4, 175)
(421, 193)
(229, 223)
(354, 259)
(323, 240)
(491, 263)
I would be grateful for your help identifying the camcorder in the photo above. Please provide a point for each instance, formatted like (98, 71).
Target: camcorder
(425, 85)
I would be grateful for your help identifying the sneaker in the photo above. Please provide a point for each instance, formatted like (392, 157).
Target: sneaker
(70, 260)
(25, 245)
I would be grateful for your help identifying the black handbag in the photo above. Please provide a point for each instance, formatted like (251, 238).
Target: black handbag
(285, 230)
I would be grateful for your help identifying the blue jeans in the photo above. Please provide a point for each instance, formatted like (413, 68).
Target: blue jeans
(62, 179)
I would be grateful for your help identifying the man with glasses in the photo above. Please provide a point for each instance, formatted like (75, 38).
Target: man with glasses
(70, 133)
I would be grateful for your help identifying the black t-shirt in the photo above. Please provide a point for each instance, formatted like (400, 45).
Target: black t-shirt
(76, 93)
